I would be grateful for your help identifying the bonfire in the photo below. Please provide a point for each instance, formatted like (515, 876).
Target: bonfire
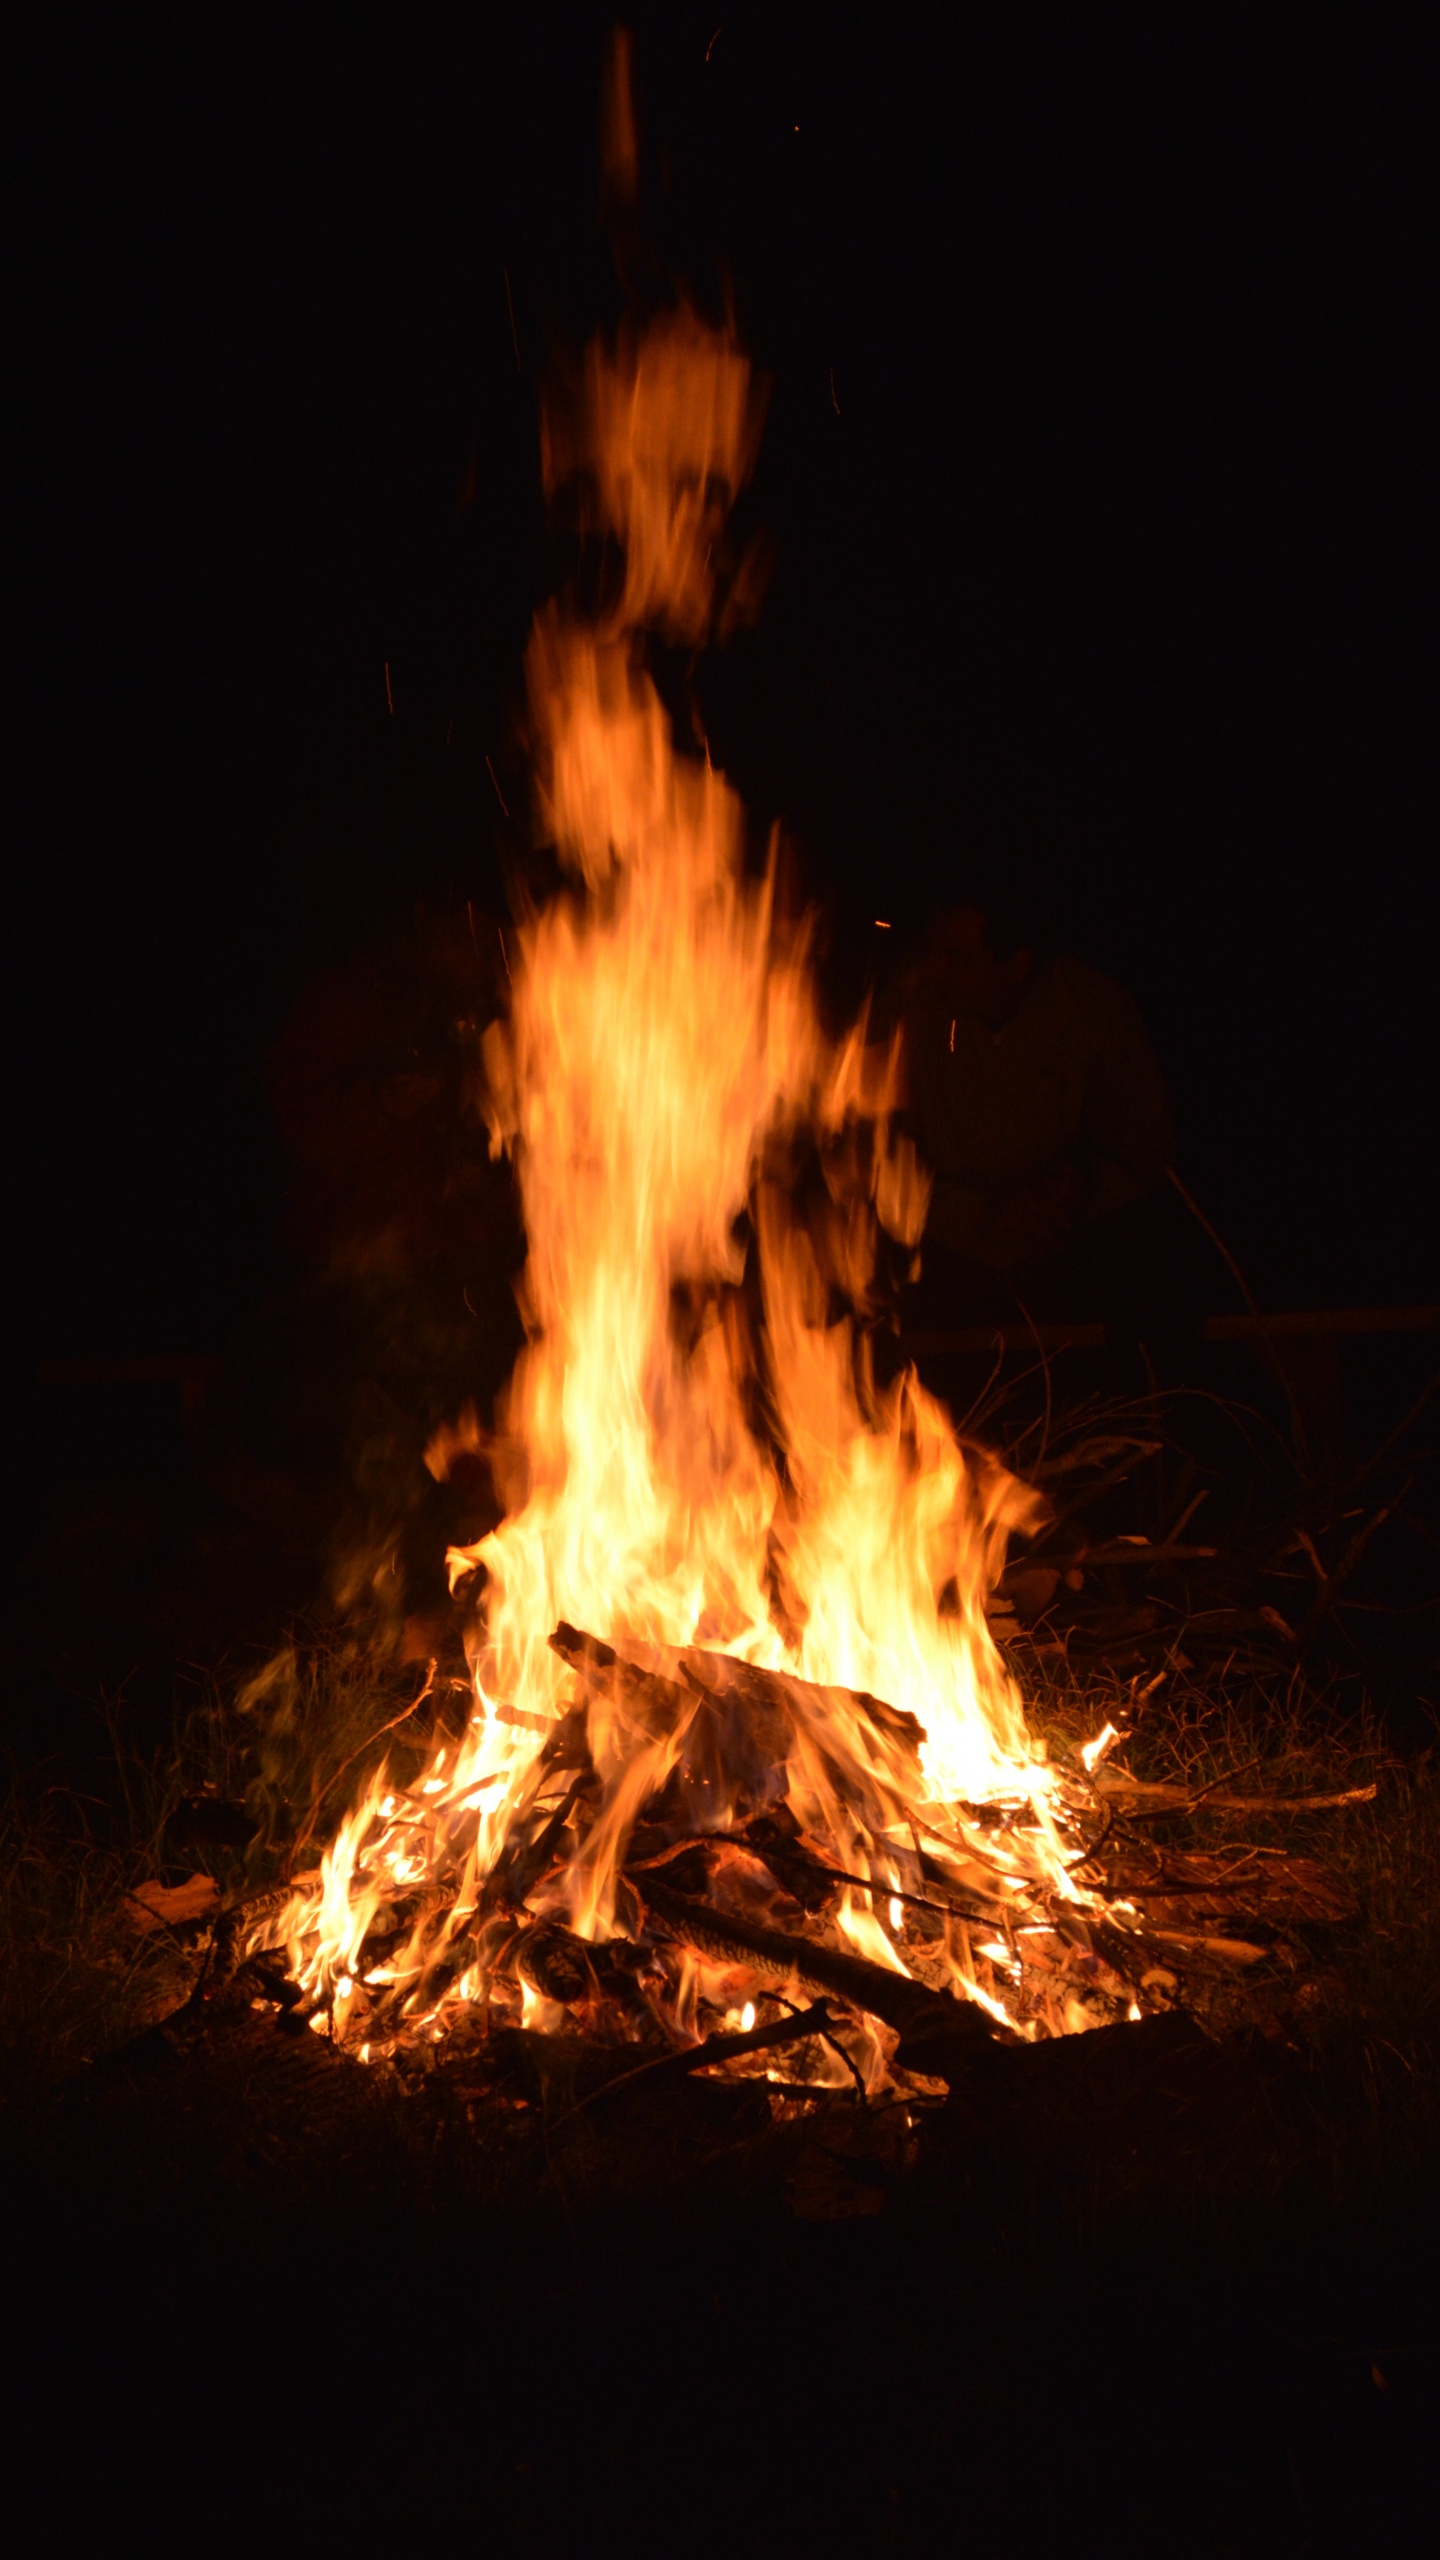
(742, 1765)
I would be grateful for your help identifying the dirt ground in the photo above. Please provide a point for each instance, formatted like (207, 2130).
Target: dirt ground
(1137, 2292)
(1103, 2304)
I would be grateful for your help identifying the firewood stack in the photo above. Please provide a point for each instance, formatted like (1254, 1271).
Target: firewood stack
(732, 1934)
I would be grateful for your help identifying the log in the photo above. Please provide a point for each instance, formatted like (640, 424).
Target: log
(814, 2021)
(227, 1947)
(664, 1701)
(773, 1693)
(732, 1751)
(915, 2011)
(777, 1691)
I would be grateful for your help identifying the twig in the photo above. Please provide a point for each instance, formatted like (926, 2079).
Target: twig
(1401, 1427)
(1192, 1506)
(1092, 1853)
(836, 2047)
(677, 1848)
(1140, 1449)
(1128, 1551)
(1228, 1778)
(977, 1402)
(317, 1801)
(1329, 1593)
(1049, 1383)
(814, 2021)
(1302, 1439)
(842, 1875)
(1093, 1453)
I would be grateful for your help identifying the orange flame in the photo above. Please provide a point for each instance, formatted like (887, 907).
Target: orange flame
(693, 1449)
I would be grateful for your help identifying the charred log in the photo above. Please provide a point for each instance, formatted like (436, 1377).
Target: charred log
(236, 1927)
(556, 1963)
(908, 2006)
(814, 2021)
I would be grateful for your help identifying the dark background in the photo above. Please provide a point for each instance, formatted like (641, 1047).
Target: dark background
(1094, 471)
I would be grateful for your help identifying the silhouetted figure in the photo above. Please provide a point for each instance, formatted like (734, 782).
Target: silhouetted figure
(409, 1238)
(374, 1083)
(1037, 1101)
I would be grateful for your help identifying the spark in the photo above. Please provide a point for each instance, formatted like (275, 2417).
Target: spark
(499, 794)
(510, 307)
(882, 924)
(709, 49)
(952, 1036)
(389, 696)
(834, 399)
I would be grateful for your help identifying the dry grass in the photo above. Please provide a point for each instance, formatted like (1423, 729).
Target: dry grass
(1363, 2018)
(74, 1982)
(285, 1750)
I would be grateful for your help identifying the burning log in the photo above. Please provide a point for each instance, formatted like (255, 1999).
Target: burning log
(556, 1964)
(769, 1699)
(919, 2015)
(741, 1731)
(733, 1752)
(242, 1930)
(802, 2023)
(779, 1693)
(601, 1665)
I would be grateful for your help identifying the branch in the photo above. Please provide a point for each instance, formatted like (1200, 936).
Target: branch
(814, 2021)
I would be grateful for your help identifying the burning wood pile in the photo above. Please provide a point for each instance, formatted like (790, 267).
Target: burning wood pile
(733, 1929)
(744, 1780)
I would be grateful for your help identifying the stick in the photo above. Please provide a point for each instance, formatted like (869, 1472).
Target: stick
(814, 2021)
(780, 1858)
(403, 1717)
(1163, 1799)
(1125, 1551)
(1302, 1437)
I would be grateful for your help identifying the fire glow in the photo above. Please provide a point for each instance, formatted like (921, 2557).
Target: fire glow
(786, 1712)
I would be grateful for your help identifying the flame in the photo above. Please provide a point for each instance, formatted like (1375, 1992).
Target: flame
(693, 1451)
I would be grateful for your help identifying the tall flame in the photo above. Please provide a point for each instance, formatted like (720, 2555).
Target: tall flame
(663, 1056)
(693, 1448)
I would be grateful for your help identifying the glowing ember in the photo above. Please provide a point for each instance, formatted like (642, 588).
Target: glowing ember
(788, 1716)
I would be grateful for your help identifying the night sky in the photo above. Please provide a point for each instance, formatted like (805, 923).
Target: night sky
(1093, 471)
